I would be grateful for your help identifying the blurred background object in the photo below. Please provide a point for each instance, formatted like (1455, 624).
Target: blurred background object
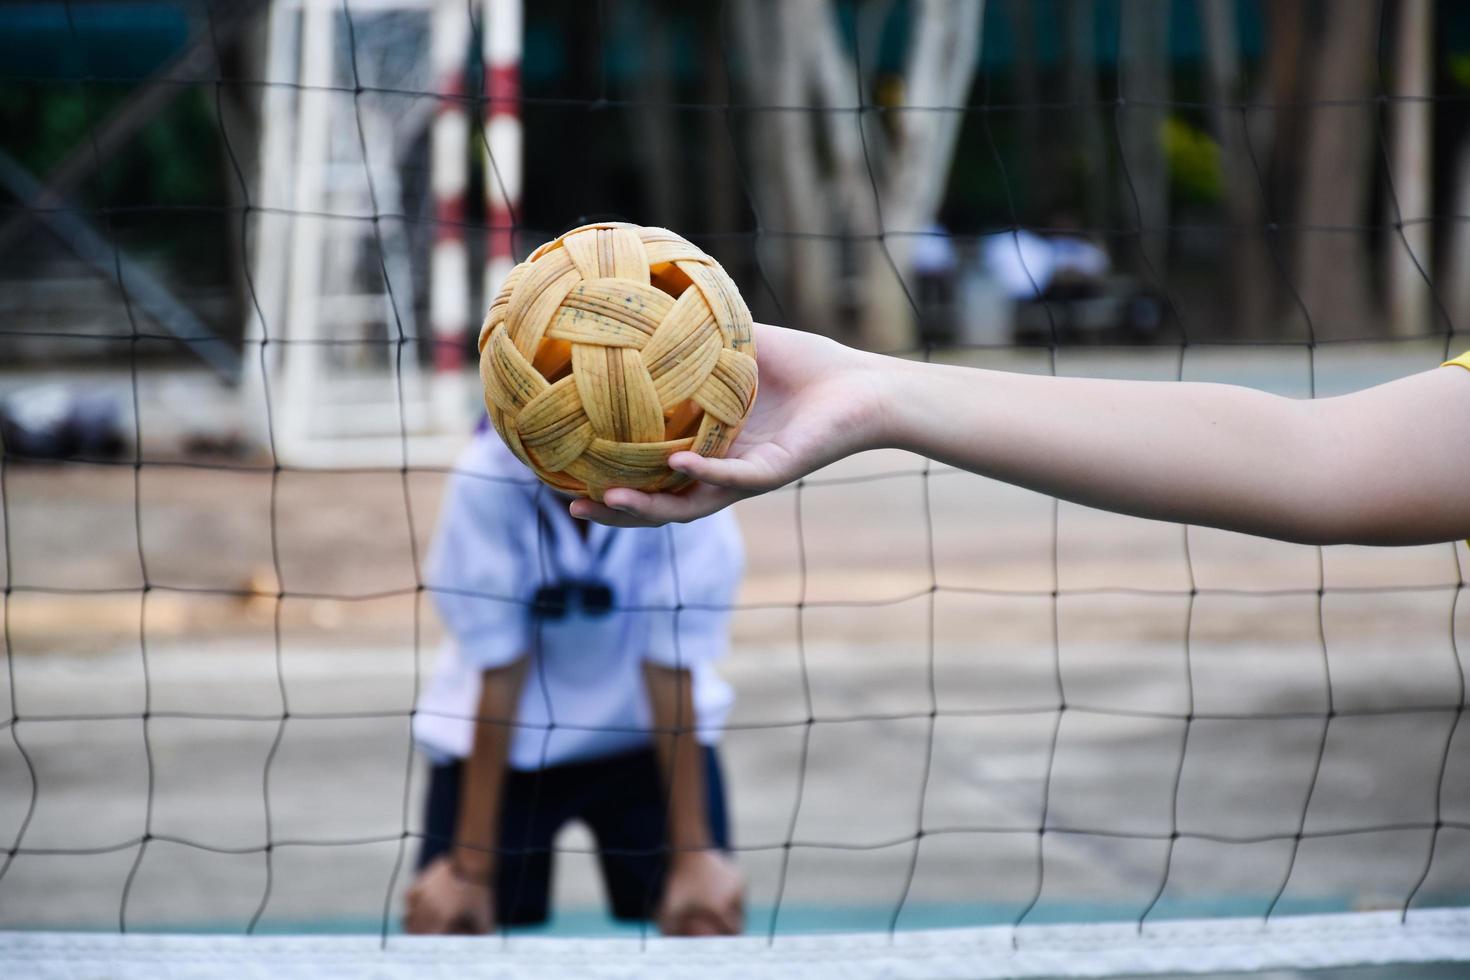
(245, 249)
(253, 172)
(55, 422)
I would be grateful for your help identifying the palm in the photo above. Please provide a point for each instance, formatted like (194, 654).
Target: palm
(808, 412)
(790, 429)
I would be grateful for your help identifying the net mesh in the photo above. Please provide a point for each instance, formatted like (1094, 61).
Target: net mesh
(1266, 744)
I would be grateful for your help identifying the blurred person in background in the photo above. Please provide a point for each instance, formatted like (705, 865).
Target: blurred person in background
(935, 266)
(1027, 264)
(576, 683)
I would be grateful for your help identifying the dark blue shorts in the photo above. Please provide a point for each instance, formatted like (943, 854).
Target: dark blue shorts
(621, 799)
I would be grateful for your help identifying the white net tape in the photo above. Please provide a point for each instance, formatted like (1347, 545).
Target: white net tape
(1183, 946)
(1029, 675)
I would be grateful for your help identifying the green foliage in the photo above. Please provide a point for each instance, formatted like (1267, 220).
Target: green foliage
(1194, 162)
(178, 154)
(1459, 69)
(174, 161)
(39, 124)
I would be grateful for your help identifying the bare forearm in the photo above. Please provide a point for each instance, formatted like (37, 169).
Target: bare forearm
(1205, 454)
(482, 776)
(680, 758)
(1370, 467)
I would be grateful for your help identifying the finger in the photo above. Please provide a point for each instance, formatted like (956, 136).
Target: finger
(701, 925)
(479, 921)
(704, 922)
(589, 510)
(677, 923)
(667, 918)
(667, 508)
(421, 921)
(625, 507)
(732, 918)
(722, 471)
(470, 925)
(412, 911)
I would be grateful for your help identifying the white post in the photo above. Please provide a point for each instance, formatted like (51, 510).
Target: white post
(449, 284)
(303, 298)
(272, 230)
(502, 53)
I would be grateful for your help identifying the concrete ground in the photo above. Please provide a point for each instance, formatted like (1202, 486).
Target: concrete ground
(908, 615)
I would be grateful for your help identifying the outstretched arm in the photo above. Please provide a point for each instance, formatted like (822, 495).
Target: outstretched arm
(1379, 466)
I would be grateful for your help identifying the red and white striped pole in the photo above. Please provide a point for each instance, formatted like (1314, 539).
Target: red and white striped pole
(449, 290)
(502, 54)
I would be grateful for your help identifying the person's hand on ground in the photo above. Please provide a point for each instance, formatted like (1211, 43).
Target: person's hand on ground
(817, 401)
(704, 895)
(442, 902)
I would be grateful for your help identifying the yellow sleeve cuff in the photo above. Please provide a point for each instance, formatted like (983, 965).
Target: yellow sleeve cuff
(1462, 361)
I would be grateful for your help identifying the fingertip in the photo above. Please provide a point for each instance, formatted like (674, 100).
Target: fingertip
(623, 498)
(714, 470)
(683, 461)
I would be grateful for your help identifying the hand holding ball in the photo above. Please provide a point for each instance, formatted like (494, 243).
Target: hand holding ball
(611, 348)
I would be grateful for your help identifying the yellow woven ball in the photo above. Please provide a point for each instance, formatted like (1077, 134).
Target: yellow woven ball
(611, 348)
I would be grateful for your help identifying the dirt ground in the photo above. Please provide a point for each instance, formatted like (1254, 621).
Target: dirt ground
(914, 608)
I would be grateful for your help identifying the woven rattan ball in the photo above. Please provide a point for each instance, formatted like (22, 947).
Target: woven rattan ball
(611, 348)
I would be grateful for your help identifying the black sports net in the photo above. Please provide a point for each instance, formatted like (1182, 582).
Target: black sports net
(952, 710)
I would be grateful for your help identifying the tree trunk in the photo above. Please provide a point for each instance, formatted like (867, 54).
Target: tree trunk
(1248, 295)
(1406, 250)
(1456, 271)
(1144, 83)
(1331, 265)
(1090, 155)
(805, 218)
(1027, 81)
(1273, 133)
(842, 196)
(654, 125)
(1276, 133)
(939, 72)
(768, 79)
(721, 190)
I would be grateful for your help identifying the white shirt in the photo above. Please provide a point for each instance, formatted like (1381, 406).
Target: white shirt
(1025, 263)
(502, 536)
(932, 252)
